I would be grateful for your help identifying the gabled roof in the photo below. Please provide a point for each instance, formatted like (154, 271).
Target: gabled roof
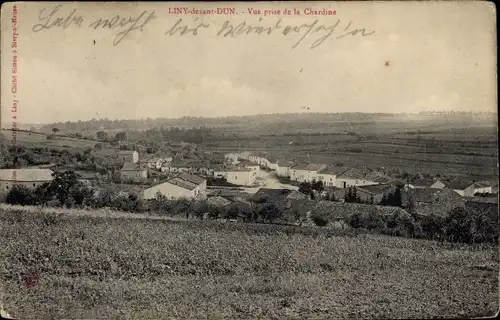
(153, 160)
(310, 167)
(377, 176)
(128, 166)
(191, 178)
(182, 183)
(489, 200)
(460, 183)
(333, 170)
(353, 173)
(424, 182)
(482, 184)
(271, 158)
(30, 175)
(238, 169)
(295, 195)
(376, 188)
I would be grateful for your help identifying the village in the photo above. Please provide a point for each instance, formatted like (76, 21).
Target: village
(246, 176)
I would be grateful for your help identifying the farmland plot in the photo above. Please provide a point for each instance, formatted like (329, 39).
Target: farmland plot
(56, 266)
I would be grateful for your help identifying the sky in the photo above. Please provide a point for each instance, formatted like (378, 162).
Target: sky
(422, 56)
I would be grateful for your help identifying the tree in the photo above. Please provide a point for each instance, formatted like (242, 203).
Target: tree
(19, 194)
(270, 212)
(311, 195)
(397, 199)
(120, 136)
(305, 188)
(102, 135)
(55, 130)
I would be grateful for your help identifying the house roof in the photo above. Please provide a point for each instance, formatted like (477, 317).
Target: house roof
(310, 167)
(376, 188)
(271, 158)
(129, 166)
(295, 195)
(26, 175)
(377, 176)
(334, 170)
(482, 184)
(353, 173)
(489, 200)
(182, 183)
(460, 183)
(271, 194)
(424, 182)
(191, 178)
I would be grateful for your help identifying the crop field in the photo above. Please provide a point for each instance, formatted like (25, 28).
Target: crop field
(39, 140)
(66, 264)
(468, 151)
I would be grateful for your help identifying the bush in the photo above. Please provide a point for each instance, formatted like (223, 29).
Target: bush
(354, 221)
(19, 194)
(320, 221)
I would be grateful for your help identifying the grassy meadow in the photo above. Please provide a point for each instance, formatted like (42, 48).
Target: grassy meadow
(65, 263)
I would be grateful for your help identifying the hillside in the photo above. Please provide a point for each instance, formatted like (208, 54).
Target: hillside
(60, 266)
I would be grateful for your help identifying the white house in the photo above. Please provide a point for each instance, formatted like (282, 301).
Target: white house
(184, 186)
(328, 176)
(271, 163)
(463, 187)
(129, 156)
(175, 167)
(133, 171)
(482, 187)
(154, 163)
(254, 167)
(30, 178)
(241, 176)
(259, 158)
(306, 172)
(283, 168)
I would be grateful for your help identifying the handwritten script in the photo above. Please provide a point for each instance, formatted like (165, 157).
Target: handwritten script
(57, 17)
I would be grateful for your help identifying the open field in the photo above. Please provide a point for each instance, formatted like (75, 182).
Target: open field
(449, 151)
(78, 265)
(39, 140)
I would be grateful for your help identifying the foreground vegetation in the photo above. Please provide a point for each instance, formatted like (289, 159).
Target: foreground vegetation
(56, 265)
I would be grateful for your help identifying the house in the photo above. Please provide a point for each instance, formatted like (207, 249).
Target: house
(427, 201)
(271, 162)
(354, 177)
(482, 187)
(432, 183)
(174, 189)
(374, 193)
(129, 156)
(154, 163)
(306, 172)
(464, 187)
(218, 171)
(283, 168)
(240, 176)
(329, 176)
(133, 171)
(175, 166)
(245, 155)
(258, 158)
(29, 178)
(486, 205)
